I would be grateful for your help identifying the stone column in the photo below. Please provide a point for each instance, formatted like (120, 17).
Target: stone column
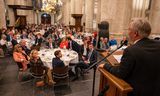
(155, 16)
(66, 12)
(2, 16)
(72, 10)
(89, 12)
(115, 12)
(11, 16)
(78, 6)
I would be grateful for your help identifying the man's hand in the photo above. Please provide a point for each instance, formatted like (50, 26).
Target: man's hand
(101, 66)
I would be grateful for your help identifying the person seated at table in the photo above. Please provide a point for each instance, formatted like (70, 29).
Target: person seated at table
(53, 36)
(102, 44)
(50, 44)
(37, 67)
(24, 47)
(21, 58)
(84, 49)
(38, 42)
(14, 40)
(73, 45)
(24, 35)
(112, 41)
(3, 43)
(39, 39)
(106, 43)
(80, 35)
(124, 41)
(31, 36)
(64, 43)
(87, 61)
(57, 62)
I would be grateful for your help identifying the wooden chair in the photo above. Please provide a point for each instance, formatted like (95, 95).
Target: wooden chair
(60, 74)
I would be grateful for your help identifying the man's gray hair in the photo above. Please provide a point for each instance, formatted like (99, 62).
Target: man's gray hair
(142, 26)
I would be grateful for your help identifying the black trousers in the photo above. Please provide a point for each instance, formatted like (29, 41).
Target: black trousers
(81, 65)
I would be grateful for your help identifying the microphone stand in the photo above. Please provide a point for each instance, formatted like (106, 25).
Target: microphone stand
(95, 67)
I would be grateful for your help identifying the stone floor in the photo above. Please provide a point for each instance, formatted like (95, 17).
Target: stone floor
(10, 86)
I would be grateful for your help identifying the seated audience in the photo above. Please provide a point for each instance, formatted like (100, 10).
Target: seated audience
(39, 39)
(24, 47)
(106, 42)
(102, 44)
(50, 44)
(3, 43)
(112, 41)
(37, 67)
(20, 57)
(64, 43)
(38, 42)
(73, 45)
(84, 49)
(31, 36)
(14, 40)
(24, 35)
(57, 62)
(124, 41)
(87, 61)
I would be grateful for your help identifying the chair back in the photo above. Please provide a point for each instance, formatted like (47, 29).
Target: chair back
(60, 72)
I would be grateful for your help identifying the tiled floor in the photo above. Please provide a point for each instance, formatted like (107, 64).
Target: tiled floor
(10, 86)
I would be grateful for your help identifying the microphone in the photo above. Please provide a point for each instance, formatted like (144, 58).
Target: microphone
(104, 90)
(94, 64)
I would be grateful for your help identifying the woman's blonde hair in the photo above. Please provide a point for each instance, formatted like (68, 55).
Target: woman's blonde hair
(32, 52)
(16, 47)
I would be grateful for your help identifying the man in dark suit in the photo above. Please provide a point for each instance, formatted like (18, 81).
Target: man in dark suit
(14, 40)
(57, 62)
(87, 61)
(73, 45)
(139, 64)
(50, 44)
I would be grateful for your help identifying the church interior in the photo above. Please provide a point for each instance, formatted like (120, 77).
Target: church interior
(67, 26)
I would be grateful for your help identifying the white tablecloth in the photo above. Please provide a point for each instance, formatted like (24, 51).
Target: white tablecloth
(68, 56)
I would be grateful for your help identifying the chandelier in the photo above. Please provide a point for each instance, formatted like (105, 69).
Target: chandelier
(51, 6)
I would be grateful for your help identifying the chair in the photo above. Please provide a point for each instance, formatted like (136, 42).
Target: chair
(20, 71)
(60, 74)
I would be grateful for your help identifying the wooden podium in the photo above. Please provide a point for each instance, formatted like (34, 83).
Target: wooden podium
(117, 86)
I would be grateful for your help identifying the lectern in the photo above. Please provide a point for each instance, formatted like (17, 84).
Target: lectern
(117, 86)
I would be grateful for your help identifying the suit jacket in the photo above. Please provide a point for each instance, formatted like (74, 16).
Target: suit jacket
(57, 62)
(75, 46)
(26, 49)
(140, 66)
(38, 41)
(53, 44)
(14, 42)
(93, 57)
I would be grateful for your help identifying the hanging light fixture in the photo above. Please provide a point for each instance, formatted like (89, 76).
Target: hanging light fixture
(51, 6)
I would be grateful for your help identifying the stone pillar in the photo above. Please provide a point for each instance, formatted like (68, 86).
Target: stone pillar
(78, 6)
(155, 16)
(11, 16)
(115, 12)
(89, 12)
(72, 10)
(66, 12)
(2, 16)
(98, 15)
